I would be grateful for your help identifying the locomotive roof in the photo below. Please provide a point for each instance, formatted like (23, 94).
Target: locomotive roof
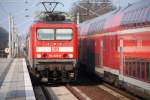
(53, 22)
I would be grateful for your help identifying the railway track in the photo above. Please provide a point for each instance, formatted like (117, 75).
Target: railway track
(120, 92)
(83, 89)
(103, 91)
(83, 92)
(80, 95)
(96, 93)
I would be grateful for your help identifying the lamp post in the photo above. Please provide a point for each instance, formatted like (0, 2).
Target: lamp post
(10, 35)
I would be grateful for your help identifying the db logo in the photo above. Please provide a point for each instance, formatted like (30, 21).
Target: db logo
(55, 49)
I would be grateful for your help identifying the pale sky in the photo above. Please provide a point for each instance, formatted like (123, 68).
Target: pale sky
(17, 8)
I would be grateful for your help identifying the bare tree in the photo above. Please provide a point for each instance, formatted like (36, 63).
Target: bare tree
(87, 9)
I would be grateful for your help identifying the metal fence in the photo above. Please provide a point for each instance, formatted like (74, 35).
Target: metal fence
(3, 54)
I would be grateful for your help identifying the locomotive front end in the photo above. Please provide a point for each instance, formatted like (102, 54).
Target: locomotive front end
(55, 52)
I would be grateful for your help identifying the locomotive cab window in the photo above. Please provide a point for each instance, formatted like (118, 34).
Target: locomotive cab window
(63, 34)
(45, 34)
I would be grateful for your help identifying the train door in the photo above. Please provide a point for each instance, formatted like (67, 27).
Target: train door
(121, 60)
(105, 52)
(99, 57)
(101, 53)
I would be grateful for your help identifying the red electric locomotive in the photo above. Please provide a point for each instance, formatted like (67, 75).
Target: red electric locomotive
(52, 49)
(117, 47)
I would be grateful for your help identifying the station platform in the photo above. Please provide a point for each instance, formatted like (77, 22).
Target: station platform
(15, 82)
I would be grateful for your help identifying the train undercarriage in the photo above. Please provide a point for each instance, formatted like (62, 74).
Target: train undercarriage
(55, 70)
(114, 80)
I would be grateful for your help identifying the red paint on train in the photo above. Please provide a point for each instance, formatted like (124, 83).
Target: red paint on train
(117, 45)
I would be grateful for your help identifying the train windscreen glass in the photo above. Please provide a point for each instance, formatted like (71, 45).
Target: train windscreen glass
(63, 34)
(45, 34)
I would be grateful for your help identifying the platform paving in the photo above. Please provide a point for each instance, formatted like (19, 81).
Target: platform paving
(16, 84)
(4, 68)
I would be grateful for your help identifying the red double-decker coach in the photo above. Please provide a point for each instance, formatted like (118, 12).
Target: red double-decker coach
(116, 46)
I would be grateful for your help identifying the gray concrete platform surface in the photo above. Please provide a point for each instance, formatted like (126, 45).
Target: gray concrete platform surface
(4, 68)
(15, 83)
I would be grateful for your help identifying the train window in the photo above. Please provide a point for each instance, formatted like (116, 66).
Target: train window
(104, 43)
(143, 68)
(124, 19)
(139, 17)
(63, 34)
(138, 69)
(134, 69)
(97, 59)
(143, 15)
(127, 72)
(128, 19)
(116, 43)
(89, 30)
(130, 68)
(45, 34)
(133, 20)
(148, 71)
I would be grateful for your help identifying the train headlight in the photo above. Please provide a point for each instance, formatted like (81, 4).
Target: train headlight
(70, 55)
(38, 55)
